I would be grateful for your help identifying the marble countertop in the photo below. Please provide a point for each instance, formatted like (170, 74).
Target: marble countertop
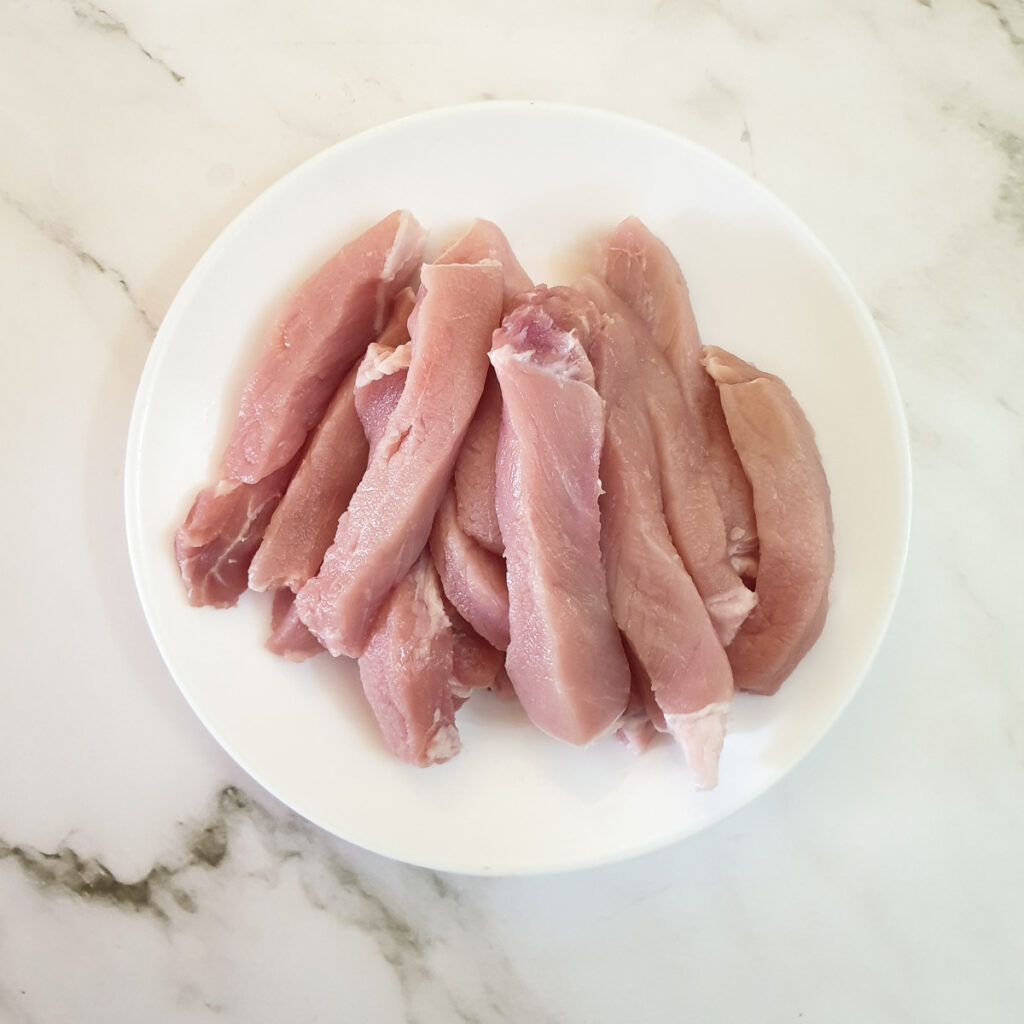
(143, 876)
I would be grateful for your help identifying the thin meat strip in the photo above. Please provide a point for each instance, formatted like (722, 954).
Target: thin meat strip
(485, 241)
(656, 605)
(323, 329)
(303, 525)
(565, 659)
(691, 508)
(794, 519)
(389, 518)
(641, 269)
(406, 670)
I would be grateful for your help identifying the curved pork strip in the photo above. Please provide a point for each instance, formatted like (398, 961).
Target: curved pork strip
(389, 518)
(794, 518)
(641, 269)
(472, 577)
(220, 535)
(407, 667)
(564, 659)
(323, 330)
(691, 508)
(303, 525)
(656, 604)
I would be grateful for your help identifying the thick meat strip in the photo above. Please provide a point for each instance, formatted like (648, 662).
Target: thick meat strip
(691, 508)
(565, 659)
(794, 520)
(641, 269)
(656, 605)
(324, 328)
(305, 521)
(389, 518)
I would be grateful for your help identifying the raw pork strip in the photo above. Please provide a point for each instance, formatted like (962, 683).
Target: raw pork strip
(641, 269)
(407, 667)
(474, 469)
(473, 578)
(486, 241)
(565, 659)
(656, 605)
(303, 525)
(794, 519)
(691, 508)
(288, 636)
(220, 535)
(474, 472)
(390, 515)
(323, 330)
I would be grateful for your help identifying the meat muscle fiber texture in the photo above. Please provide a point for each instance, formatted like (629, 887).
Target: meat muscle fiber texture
(324, 328)
(656, 605)
(641, 269)
(794, 517)
(389, 518)
(565, 659)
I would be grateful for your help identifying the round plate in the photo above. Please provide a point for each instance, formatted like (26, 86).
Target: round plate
(555, 178)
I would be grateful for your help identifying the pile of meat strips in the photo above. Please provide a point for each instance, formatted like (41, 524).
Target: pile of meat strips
(552, 493)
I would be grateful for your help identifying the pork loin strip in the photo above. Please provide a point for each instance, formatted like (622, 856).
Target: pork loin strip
(303, 525)
(389, 518)
(565, 659)
(794, 519)
(656, 605)
(691, 508)
(407, 666)
(641, 269)
(324, 328)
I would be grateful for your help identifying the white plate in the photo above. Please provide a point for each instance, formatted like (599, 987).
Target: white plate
(515, 801)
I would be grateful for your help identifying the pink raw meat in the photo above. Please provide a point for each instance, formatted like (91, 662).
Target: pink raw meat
(323, 330)
(390, 515)
(220, 535)
(656, 605)
(641, 269)
(691, 508)
(288, 636)
(564, 658)
(474, 469)
(407, 667)
(477, 664)
(485, 241)
(303, 525)
(794, 519)
(474, 472)
(473, 578)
